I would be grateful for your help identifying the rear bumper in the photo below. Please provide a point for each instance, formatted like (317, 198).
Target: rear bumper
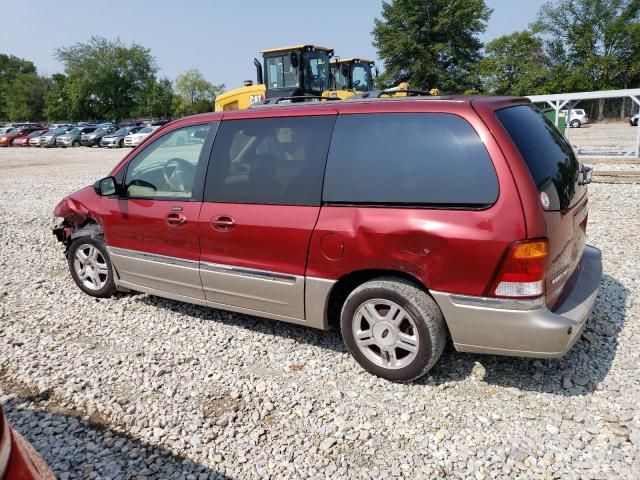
(524, 328)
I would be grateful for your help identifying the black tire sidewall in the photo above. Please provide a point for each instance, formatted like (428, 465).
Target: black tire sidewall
(425, 348)
(109, 287)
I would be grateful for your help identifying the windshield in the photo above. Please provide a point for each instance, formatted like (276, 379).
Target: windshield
(122, 131)
(76, 131)
(100, 130)
(59, 131)
(280, 72)
(361, 76)
(146, 130)
(37, 133)
(6, 130)
(316, 71)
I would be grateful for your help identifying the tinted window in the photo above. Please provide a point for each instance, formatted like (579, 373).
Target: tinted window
(408, 158)
(270, 161)
(548, 155)
(167, 167)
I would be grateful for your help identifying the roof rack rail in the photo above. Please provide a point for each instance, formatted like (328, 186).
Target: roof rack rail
(391, 91)
(292, 99)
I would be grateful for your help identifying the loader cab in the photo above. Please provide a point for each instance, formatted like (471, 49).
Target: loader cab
(302, 70)
(352, 74)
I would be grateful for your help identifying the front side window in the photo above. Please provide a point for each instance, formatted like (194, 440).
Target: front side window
(340, 76)
(316, 71)
(276, 161)
(280, 72)
(167, 167)
(418, 159)
(361, 75)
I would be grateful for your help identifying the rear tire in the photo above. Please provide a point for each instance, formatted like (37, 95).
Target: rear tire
(575, 124)
(393, 329)
(75, 144)
(90, 267)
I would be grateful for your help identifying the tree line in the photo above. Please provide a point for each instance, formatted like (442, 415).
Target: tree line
(572, 45)
(102, 80)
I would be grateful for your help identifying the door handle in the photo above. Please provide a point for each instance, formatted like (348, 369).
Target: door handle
(176, 219)
(223, 223)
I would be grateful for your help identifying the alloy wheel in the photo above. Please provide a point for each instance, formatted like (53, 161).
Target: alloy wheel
(385, 333)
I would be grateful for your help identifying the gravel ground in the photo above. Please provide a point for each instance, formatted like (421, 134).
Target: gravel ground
(140, 387)
(614, 136)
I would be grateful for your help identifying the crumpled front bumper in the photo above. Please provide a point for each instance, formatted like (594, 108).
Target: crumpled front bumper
(524, 328)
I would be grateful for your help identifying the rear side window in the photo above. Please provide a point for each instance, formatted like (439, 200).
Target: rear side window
(430, 159)
(277, 161)
(548, 155)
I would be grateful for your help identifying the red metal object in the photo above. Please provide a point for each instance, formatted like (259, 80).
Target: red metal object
(18, 459)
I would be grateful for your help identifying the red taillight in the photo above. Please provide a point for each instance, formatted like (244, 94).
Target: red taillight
(522, 272)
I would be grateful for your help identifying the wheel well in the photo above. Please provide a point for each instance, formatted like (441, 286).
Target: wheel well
(345, 285)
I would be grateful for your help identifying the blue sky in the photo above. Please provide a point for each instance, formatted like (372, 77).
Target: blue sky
(220, 38)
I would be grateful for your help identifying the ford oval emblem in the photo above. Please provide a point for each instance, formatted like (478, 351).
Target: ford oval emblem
(544, 200)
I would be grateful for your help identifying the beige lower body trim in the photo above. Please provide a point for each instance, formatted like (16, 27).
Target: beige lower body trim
(289, 298)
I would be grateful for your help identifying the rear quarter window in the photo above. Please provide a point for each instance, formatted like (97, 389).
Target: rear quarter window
(418, 159)
(547, 154)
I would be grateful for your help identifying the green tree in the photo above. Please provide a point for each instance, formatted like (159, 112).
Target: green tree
(56, 100)
(593, 44)
(194, 93)
(514, 64)
(431, 43)
(16, 75)
(155, 99)
(24, 100)
(105, 77)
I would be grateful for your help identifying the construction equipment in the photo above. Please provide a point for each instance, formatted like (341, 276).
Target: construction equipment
(297, 71)
(350, 76)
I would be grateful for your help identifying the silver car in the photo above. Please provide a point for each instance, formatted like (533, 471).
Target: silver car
(72, 137)
(48, 139)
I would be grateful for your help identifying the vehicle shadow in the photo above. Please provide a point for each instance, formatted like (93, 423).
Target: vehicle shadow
(330, 340)
(87, 448)
(577, 373)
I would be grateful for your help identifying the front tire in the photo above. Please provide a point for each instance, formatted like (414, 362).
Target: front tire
(575, 124)
(75, 144)
(90, 267)
(393, 329)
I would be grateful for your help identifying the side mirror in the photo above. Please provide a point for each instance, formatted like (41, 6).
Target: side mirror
(105, 186)
(294, 59)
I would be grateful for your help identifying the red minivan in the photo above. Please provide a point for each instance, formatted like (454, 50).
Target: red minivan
(404, 220)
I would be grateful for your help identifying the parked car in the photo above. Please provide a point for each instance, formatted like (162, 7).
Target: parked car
(116, 139)
(135, 139)
(576, 118)
(25, 140)
(405, 221)
(7, 139)
(35, 141)
(93, 138)
(633, 120)
(48, 139)
(18, 459)
(72, 137)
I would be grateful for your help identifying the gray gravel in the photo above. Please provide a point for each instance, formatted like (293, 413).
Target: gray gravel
(140, 387)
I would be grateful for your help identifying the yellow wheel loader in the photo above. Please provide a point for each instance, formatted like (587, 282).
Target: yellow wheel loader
(297, 71)
(350, 76)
